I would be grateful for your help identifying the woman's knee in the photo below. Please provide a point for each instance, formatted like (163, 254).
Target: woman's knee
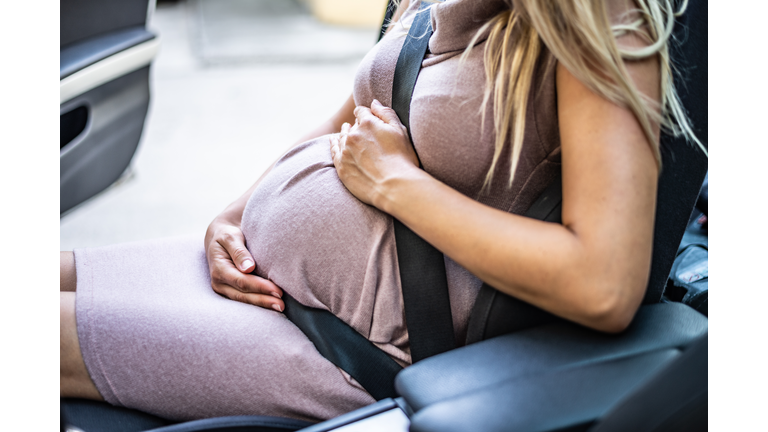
(67, 272)
(75, 381)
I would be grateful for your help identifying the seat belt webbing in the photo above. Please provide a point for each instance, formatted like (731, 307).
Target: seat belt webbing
(388, 13)
(346, 348)
(495, 313)
(422, 273)
(422, 267)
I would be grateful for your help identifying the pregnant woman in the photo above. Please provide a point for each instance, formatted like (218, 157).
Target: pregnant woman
(510, 94)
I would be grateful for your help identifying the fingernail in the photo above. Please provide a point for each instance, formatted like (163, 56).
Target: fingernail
(276, 307)
(246, 264)
(276, 295)
(376, 101)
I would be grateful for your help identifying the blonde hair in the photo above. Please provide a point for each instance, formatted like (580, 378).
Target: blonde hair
(579, 35)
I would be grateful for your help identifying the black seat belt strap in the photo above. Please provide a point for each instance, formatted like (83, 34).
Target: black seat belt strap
(388, 14)
(495, 313)
(422, 267)
(345, 348)
(422, 273)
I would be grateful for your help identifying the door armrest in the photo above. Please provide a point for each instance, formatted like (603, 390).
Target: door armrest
(80, 55)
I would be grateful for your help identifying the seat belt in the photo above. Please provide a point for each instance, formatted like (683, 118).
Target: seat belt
(495, 313)
(388, 13)
(422, 266)
(346, 348)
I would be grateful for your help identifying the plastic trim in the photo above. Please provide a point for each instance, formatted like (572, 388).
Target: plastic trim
(354, 416)
(151, 6)
(79, 56)
(106, 70)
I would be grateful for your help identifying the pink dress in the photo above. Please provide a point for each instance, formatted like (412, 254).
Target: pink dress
(155, 336)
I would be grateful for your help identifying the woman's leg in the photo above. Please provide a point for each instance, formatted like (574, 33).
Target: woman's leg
(155, 337)
(75, 381)
(67, 274)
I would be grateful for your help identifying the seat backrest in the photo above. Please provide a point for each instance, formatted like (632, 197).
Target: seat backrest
(684, 164)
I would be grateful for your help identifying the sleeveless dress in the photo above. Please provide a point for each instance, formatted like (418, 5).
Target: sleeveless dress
(155, 336)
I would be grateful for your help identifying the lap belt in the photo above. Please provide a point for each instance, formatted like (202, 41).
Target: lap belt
(346, 348)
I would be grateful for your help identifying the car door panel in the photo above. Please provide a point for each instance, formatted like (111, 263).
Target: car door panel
(92, 62)
(103, 150)
(105, 55)
(84, 19)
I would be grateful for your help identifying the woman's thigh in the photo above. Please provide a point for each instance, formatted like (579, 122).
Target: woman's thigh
(67, 272)
(74, 378)
(156, 337)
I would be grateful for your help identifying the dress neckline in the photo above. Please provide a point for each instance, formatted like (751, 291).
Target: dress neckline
(455, 22)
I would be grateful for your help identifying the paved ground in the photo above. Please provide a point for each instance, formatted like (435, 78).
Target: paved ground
(223, 108)
(235, 31)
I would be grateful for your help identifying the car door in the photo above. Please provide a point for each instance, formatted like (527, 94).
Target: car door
(105, 55)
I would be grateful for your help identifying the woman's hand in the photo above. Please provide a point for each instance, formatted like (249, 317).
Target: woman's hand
(229, 262)
(372, 152)
(231, 265)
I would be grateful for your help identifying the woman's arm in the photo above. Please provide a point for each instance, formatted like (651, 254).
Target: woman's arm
(229, 261)
(593, 269)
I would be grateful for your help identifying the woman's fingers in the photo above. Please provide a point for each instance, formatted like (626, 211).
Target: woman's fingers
(364, 115)
(377, 111)
(387, 114)
(338, 142)
(379, 115)
(233, 242)
(255, 299)
(335, 149)
(346, 128)
(247, 288)
(230, 265)
(334, 146)
(223, 271)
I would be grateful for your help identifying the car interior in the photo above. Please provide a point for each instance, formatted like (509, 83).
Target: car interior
(540, 374)
(105, 55)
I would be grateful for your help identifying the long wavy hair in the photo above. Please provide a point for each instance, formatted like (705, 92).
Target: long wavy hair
(580, 36)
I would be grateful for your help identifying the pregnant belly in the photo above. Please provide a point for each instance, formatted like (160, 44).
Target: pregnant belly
(324, 247)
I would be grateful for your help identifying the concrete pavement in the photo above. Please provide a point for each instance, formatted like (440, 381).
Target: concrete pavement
(223, 108)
